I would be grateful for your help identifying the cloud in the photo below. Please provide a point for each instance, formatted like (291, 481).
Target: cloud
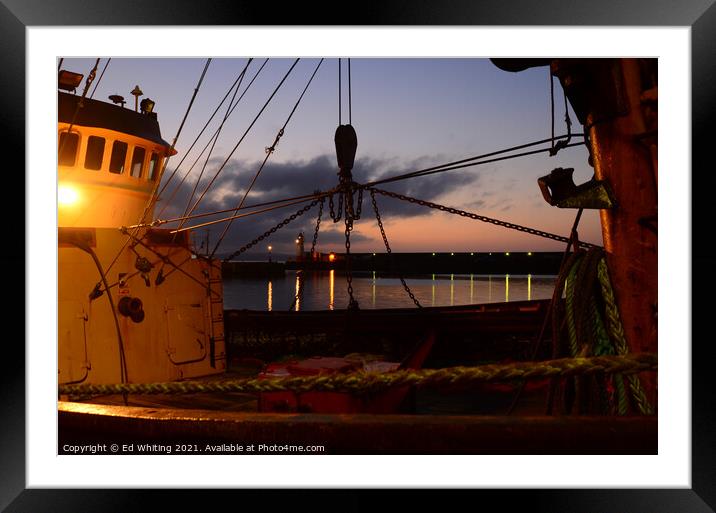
(295, 178)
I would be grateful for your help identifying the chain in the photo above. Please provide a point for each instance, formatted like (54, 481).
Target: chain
(387, 247)
(478, 217)
(313, 251)
(352, 303)
(359, 207)
(336, 215)
(273, 230)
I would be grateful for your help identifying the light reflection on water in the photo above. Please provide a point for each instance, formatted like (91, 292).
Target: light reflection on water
(327, 290)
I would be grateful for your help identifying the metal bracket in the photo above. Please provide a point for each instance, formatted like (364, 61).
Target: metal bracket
(558, 189)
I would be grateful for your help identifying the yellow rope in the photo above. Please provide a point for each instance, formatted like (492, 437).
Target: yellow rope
(361, 382)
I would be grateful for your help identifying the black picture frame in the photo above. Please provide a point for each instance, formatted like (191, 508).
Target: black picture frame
(700, 15)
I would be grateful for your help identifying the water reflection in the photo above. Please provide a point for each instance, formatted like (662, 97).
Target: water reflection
(269, 305)
(529, 287)
(331, 280)
(452, 289)
(433, 298)
(373, 291)
(325, 290)
(298, 289)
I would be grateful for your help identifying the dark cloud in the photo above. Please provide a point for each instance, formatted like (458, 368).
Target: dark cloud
(476, 204)
(296, 178)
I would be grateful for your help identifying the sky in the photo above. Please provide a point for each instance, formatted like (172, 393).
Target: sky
(408, 114)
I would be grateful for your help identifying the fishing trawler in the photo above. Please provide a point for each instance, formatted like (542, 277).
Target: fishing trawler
(120, 318)
(139, 306)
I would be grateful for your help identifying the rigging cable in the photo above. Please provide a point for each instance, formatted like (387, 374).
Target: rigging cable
(350, 101)
(556, 296)
(340, 119)
(269, 152)
(370, 185)
(158, 222)
(153, 196)
(103, 275)
(100, 77)
(80, 103)
(196, 139)
(458, 164)
(551, 102)
(213, 145)
(211, 182)
(336, 217)
(248, 214)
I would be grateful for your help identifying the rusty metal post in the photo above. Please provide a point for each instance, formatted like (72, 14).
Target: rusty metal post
(622, 159)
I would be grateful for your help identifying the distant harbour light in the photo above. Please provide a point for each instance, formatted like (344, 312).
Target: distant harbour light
(507, 254)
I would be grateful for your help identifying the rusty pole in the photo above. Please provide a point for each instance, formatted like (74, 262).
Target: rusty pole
(623, 151)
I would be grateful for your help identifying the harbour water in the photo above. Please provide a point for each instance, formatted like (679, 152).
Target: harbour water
(327, 290)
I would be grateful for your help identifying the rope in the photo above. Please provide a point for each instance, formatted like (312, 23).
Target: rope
(477, 217)
(616, 330)
(366, 382)
(588, 333)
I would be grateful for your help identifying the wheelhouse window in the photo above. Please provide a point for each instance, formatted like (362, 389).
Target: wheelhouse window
(95, 152)
(137, 161)
(119, 156)
(67, 151)
(153, 167)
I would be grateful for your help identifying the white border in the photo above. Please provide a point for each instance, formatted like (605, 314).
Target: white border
(671, 468)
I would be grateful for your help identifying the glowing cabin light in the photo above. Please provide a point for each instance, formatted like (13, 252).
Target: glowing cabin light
(67, 195)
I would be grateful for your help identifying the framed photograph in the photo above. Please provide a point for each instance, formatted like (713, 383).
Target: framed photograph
(424, 90)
